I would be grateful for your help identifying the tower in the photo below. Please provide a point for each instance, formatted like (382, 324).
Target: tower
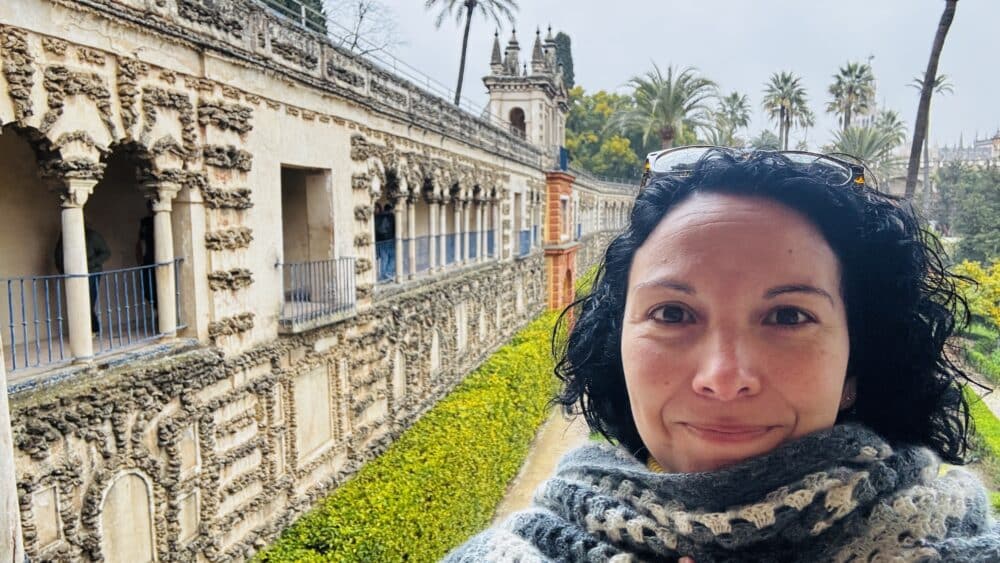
(532, 102)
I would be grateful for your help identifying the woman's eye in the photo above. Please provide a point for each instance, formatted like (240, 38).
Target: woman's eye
(672, 314)
(787, 316)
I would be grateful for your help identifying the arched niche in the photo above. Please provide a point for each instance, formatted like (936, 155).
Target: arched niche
(126, 520)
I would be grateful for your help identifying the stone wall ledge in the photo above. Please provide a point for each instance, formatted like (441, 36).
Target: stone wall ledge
(60, 379)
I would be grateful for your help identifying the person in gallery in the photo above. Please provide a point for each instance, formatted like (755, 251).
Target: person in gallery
(764, 349)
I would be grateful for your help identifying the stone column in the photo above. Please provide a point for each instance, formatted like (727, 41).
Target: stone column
(458, 231)
(74, 247)
(11, 543)
(465, 230)
(397, 215)
(433, 242)
(481, 232)
(442, 248)
(411, 233)
(162, 195)
(497, 242)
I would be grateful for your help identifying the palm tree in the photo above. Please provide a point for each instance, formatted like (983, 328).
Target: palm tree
(889, 122)
(785, 101)
(853, 90)
(666, 105)
(493, 9)
(940, 86)
(732, 114)
(873, 145)
(766, 141)
(926, 89)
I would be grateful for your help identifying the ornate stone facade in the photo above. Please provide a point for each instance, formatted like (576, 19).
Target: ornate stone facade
(254, 149)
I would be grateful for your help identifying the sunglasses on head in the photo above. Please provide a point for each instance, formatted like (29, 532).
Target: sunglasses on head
(682, 160)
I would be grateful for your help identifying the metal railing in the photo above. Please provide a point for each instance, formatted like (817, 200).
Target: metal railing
(308, 18)
(313, 290)
(473, 245)
(122, 305)
(34, 315)
(450, 243)
(385, 258)
(423, 253)
(524, 244)
(491, 250)
(406, 256)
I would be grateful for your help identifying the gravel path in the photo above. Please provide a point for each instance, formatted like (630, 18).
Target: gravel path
(557, 436)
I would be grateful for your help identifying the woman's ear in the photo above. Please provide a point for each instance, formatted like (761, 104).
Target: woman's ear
(850, 393)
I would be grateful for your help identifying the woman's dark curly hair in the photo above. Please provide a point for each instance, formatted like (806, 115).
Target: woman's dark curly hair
(902, 305)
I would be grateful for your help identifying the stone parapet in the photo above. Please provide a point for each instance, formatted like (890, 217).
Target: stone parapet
(249, 31)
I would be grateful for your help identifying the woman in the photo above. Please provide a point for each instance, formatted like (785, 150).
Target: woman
(765, 345)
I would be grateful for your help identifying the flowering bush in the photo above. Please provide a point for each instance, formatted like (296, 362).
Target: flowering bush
(984, 295)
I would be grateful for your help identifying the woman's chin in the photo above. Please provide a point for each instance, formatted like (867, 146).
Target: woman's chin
(703, 451)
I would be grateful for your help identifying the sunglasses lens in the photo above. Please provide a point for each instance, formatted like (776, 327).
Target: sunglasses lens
(677, 161)
(836, 172)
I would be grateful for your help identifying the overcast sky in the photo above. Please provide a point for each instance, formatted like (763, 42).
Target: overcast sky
(739, 44)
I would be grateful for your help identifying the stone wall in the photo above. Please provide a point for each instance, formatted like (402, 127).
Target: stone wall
(205, 457)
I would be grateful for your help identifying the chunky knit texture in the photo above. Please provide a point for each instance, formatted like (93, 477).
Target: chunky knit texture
(838, 495)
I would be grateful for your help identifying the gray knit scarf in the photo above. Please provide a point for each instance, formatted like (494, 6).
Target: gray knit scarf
(838, 495)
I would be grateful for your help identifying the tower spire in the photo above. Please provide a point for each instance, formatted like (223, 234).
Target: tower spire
(496, 62)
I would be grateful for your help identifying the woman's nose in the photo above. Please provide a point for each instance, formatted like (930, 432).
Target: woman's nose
(726, 373)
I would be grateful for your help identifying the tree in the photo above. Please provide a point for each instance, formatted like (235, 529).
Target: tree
(592, 144)
(492, 9)
(363, 26)
(940, 86)
(970, 208)
(766, 141)
(312, 10)
(889, 122)
(926, 89)
(853, 90)
(785, 101)
(731, 115)
(564, 56)
(667, 105)
(873, 145)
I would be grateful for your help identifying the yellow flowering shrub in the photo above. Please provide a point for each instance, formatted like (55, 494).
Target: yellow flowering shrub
(441, 481)
(984, 295)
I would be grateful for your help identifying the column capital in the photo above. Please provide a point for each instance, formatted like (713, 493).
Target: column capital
(77, 192)
(161, 193)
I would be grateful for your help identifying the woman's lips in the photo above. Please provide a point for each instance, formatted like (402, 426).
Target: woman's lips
(727, 433)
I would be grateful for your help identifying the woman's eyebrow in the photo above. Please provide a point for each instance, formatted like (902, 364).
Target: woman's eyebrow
(667, 283)
(797, 288)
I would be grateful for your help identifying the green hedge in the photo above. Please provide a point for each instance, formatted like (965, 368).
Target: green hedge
(986, 440)
(441, 481)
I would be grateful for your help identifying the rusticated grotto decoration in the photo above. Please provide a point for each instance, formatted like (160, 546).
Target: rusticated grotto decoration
(154, 97)
(18, 69)
(237, 324)
(217, 198)
(225, 116)
(227, 157)
(129, 73)
(61, 82)
(229, 239)
(231, 280)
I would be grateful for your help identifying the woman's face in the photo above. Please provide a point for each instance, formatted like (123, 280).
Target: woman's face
(735, 334)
